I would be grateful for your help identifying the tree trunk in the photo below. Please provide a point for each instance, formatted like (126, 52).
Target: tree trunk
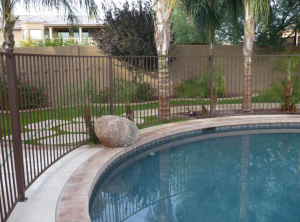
(8, 21)
(162, 39)
(211, 55)
(247, 53)
(287, 95)
(88, 120)
(212, 42)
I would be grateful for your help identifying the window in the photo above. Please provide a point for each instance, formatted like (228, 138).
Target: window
(35, 33)
(24, 34)
(76, 35)
(64, 34)
(85, 34)
(46, 32)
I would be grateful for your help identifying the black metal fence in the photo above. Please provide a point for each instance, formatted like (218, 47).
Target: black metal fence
(49, 103)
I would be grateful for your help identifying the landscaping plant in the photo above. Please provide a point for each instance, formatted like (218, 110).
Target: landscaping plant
(30, 95)
(287, 64)
(276, 93)
(128, 31)
(198, 85)
(81, 95)
(127, 91)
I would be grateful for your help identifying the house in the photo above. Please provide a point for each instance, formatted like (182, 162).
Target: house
(41, 26)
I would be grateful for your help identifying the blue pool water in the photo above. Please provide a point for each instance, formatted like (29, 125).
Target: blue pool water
(229, 176)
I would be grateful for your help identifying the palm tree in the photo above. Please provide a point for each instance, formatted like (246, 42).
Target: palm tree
(288, 64)
(255, 10)
(163, 10)
(8, 20)
(206, 17)
(210, 19)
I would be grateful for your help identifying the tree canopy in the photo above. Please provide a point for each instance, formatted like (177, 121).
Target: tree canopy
(127, 30)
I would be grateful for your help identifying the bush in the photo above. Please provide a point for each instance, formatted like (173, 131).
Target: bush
(128, 30)
(199, 85)
(32, 96)
(29, 42)
(276, 92)
(127, 91)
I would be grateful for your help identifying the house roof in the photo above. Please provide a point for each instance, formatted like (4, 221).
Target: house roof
(53, 20)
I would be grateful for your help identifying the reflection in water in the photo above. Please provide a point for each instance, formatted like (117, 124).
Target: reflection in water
(237, 178)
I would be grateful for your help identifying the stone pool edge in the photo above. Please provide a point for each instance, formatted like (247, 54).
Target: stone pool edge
(73, 203)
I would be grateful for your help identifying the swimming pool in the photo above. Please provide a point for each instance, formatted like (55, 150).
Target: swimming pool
(244, 173)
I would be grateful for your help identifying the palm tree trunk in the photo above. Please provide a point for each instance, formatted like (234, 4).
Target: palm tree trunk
(211, 53)
(212, 42)
(287, 95)
(162, 39)
(247, 53)
(8, 21)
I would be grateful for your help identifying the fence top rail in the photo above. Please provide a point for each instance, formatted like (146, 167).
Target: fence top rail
(169, 56)
(51, 55)
(4, 53)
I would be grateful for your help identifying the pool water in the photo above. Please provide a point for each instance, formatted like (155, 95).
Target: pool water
(220, 177)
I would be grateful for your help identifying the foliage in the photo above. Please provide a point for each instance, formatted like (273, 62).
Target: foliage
(231, 30)
(70, 41)
(198, 85)
(183, 31)
(129, 31)
(58, 41)
(284, 18)
(78, 92)
(29, 42)
(287, 63)
(30, 95)
(125, 91)
(276, 92)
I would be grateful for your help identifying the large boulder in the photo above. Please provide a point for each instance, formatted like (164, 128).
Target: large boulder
(115, 131)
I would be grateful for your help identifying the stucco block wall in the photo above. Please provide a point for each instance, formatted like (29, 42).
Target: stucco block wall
(185, 62)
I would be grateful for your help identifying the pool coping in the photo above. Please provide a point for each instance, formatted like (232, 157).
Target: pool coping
(73, 202)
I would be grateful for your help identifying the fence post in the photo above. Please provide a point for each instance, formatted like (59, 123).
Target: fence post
(111, 96)
(211, 60)
(15, 121)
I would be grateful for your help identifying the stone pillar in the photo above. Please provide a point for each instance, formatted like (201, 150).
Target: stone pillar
(80, 34)
(50, 33)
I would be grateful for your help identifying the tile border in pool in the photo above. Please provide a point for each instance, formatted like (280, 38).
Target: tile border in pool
(73, 203)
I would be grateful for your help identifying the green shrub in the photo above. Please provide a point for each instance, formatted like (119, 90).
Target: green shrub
(276, 92)
(30, 96)
(198, 85)
(127, 91)
(29, 42)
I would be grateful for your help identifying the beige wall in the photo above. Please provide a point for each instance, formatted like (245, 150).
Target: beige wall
(63, 71)
(28, 26)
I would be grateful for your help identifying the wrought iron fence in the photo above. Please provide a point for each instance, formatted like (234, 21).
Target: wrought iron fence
(49, 103)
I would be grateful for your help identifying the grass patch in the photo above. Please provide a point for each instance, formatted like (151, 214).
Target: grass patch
(69, 113)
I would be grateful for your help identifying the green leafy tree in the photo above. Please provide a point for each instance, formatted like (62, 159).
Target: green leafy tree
(183, 31)
(231, 30)
(128, 30)
(284, 18)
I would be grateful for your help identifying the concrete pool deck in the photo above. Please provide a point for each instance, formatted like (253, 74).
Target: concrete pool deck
(62, 193)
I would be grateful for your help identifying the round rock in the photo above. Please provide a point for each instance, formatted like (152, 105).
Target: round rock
(115, 131)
